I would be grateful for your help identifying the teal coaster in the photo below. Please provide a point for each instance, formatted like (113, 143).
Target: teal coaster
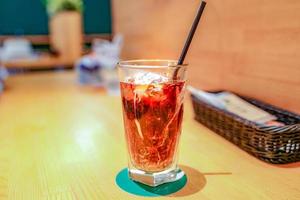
(132, 187)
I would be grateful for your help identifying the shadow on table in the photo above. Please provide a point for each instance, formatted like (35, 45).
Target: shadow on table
(195, 182)
(290, 165)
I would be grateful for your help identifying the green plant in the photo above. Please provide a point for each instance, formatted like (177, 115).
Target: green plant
(55, 6)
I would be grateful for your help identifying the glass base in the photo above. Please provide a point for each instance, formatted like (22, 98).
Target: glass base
(157, 178)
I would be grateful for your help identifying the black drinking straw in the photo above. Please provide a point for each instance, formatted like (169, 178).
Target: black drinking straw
(190, 37)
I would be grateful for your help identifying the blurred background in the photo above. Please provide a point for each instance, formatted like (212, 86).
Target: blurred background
(61, 126)
(250, 47)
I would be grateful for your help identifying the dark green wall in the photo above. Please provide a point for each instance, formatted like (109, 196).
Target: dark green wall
(97, 16)
(27, 17)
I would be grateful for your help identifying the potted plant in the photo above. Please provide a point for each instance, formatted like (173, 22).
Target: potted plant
(57, 6)
(66, 28)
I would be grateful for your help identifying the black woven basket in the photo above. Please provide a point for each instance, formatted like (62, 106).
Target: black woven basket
(273, 144)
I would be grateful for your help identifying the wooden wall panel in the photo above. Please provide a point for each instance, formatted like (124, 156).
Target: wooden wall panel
(250, 46)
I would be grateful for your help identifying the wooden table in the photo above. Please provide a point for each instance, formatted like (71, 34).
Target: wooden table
(43, 61)
(62, 141)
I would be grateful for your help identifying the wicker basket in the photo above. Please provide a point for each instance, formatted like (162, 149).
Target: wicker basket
(273, 144)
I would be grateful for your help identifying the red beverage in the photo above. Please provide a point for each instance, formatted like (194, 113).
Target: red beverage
(152, 117)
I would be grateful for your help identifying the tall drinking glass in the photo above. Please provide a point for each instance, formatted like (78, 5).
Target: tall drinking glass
(152, 102)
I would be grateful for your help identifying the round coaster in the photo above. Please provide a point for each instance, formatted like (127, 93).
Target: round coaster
(132, 187)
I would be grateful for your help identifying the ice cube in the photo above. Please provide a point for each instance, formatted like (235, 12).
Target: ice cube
(145, 78)
(148, 82)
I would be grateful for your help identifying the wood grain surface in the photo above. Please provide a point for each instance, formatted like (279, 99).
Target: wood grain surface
(62, 141)
(44, 61)
(250, 47)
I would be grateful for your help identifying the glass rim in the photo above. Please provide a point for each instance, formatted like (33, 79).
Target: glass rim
(142, 63)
